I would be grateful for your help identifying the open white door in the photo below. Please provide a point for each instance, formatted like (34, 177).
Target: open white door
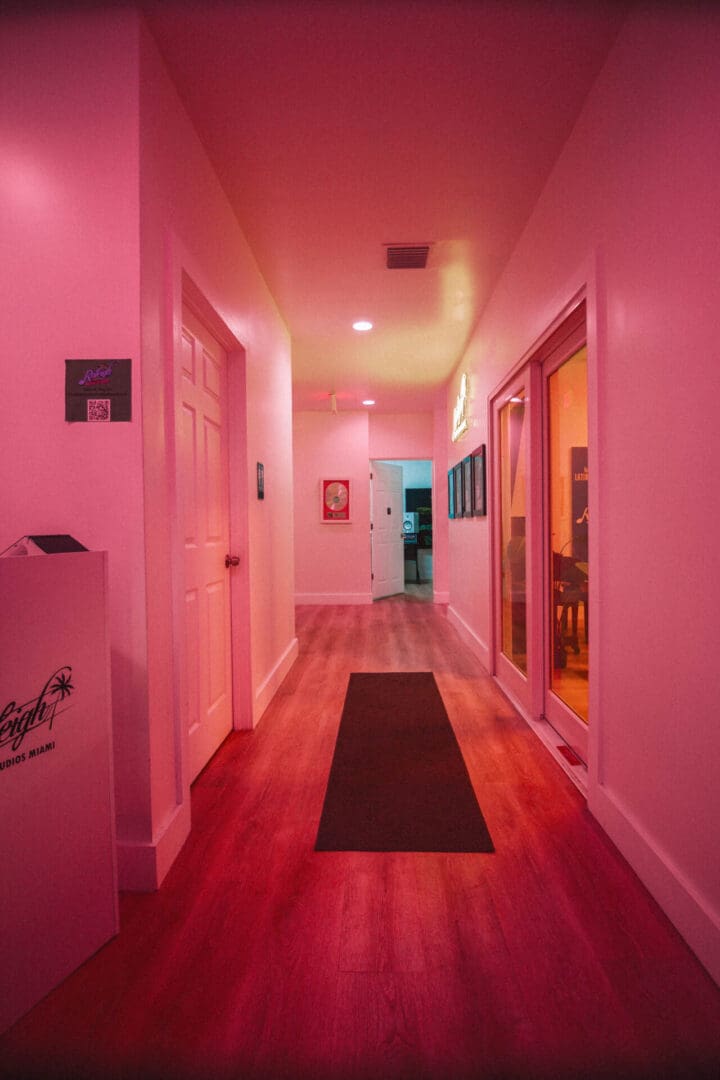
(387, 544)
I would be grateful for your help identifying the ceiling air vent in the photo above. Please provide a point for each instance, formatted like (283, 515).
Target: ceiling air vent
(407, 256)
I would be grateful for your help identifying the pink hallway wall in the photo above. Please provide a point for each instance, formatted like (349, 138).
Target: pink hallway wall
(628, 209)
(332, 562)
(405, 435)
(70, 272)
(468, 538)
(188, 226)
(85, 99)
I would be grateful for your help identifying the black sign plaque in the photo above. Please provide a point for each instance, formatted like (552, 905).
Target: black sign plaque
(579, 501)
(97, 391)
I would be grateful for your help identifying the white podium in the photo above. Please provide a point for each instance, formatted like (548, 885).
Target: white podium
(58, 875)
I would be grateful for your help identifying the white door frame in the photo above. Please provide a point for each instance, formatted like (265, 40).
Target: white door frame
(186, 292)
(530, 703)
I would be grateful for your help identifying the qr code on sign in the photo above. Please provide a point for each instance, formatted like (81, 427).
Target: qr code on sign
(98, 409)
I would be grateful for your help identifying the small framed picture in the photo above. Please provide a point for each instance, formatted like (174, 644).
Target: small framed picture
(478, 475)
(459, 492)
(335, 500)
(467, 469)
(260, 480)
(451, 493)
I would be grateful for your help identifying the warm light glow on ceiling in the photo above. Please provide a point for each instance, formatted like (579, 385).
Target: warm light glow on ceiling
(369, 401)
(460, 412)
(362, 325)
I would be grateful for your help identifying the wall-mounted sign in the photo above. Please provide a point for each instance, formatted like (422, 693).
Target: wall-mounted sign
(97, 391)
(460, 412)
(335, 500)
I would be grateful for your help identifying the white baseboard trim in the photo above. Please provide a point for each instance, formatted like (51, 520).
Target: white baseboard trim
(469, 636)
(332, 598)
(692, 914)
(142, 867)
(269, 687)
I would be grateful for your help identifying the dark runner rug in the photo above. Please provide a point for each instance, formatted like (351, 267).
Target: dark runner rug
(398, 781)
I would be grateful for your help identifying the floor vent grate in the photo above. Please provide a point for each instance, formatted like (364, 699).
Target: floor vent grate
(569, 755)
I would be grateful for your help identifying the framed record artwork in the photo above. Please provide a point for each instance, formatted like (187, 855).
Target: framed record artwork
(479, 501)
(335, 501)
(467, 470)
(459, 493)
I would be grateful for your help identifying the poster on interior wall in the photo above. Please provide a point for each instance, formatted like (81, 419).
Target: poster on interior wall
(478, 475)
(451, 493)
(98, 391)
(334, 500)
(579, 502)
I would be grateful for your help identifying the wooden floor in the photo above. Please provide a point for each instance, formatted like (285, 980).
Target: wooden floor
(259, 957)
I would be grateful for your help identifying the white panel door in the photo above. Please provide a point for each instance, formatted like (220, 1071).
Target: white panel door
(388, 550)
(202, 445)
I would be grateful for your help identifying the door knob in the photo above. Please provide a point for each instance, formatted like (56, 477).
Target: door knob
(232, 560)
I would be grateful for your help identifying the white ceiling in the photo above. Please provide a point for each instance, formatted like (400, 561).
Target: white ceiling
(339, 127)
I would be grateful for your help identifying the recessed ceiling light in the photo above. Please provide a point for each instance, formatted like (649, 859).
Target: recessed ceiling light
(369, 401)
(362, 325)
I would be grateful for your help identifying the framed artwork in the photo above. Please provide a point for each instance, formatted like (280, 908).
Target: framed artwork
(479, 501)
(451, 493)
(459, 493)
(467, 470)
(260, 480)
(335, 500)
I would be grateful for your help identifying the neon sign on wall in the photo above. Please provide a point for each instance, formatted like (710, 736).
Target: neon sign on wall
(460, 412)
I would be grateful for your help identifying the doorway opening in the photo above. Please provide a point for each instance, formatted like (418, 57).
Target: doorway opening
(402, 528)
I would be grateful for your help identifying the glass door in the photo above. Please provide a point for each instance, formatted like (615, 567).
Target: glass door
(541, 566)
(566, 546)
(513, 517)
(517, 507)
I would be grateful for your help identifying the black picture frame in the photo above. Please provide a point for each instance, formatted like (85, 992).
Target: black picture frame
(459, 493)
(451, 493)
(467, 469)
(479, 508)
(98, 391)
(260, 480)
